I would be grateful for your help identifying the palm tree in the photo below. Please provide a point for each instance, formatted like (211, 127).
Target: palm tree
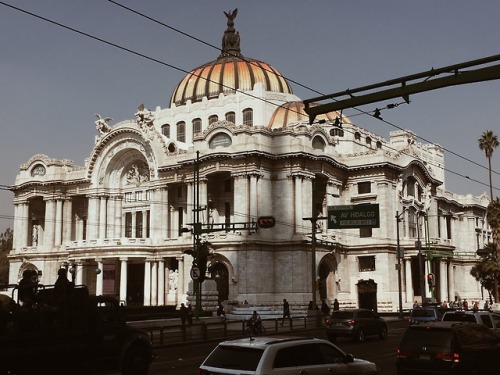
(488, 143)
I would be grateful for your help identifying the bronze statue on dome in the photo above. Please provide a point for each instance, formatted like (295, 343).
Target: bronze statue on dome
(231, 38)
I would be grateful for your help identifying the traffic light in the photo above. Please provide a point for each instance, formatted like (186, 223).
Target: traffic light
(430, 279)
(266, 222)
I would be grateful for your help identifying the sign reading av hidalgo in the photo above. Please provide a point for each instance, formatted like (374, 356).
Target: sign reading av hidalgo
(354, 216)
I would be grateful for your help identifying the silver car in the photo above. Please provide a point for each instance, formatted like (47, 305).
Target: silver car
(283, 355)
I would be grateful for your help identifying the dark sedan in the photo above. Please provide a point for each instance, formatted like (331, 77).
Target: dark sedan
(448, 348)
(356, 324)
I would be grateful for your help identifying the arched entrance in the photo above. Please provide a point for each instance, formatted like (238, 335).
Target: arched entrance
(367, 294)
(328, 288)
(220, 274)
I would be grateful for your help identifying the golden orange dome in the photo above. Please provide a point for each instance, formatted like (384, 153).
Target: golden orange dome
(231, 72)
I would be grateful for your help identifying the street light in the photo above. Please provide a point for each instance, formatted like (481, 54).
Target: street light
(314, 221)
(400, 295)
(420, 259)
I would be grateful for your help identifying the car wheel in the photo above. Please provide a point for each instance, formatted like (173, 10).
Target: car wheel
(359, 335)
(332, 337)
(383, 333)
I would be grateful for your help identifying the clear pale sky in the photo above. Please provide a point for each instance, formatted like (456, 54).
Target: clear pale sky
(53, 80)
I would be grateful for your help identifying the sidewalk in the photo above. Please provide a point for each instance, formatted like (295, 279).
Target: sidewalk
(165, 332)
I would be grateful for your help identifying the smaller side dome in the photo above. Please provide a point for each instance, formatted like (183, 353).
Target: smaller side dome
(293, 113)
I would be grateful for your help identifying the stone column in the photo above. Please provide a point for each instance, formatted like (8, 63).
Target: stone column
(58, 223)
(443, 280)
(155, 218)
(147, 283)
(79, 274)
(102, 216)
(241, 198)
(298, 204)
(100, 278)
(118, 217)
(165, 215)
(408, 281)
(134, 225)
(123, 279)
(93, 218)
(111, 217)
(67, 220)
(145, 224)
(180, 280)
(50, 217)
(253, 197)
(154, 283)
(161, 282)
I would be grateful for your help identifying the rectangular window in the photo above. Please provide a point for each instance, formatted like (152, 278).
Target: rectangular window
(138, 225)
(181, 131)
(364, 187)
(196, 125)
(181, 220)
(366, 263)
(128, 224)
(227, 213)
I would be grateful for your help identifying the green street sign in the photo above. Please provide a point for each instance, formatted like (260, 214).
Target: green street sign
(354, 216)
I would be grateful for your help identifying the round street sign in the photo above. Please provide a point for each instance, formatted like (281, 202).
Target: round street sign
(195, 273)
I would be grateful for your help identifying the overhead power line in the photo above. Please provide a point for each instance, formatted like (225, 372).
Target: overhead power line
(186, 72)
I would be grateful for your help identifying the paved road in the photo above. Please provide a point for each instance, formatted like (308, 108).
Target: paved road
(183, 358)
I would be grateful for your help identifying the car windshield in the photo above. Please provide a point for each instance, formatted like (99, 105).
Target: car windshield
(459, 317)
(425, 337)
(423, 313)
(342, 315)
(234, 358)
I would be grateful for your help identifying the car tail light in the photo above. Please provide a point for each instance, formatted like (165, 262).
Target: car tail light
(351, 322)
(403, 353)
(448, 357)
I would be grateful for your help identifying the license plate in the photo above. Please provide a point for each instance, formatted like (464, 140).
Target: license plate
(424, 357)
(339, 324)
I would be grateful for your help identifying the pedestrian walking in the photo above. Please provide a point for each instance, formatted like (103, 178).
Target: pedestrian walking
(286, 312)
(336, 305)
(183, 313)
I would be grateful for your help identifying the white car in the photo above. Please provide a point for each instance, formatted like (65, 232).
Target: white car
(283, 355)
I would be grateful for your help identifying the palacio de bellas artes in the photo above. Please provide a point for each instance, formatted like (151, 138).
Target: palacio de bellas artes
(235, 145)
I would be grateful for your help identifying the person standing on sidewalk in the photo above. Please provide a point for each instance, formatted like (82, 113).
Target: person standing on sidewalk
(286, 312)
(183, 313)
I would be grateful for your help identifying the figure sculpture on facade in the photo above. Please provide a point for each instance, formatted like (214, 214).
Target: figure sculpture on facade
(144, 117)
(102, 124)
(173, 279)
(34, 235)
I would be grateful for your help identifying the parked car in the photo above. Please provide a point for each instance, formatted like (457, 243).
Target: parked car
(451, 348)
(486, 318)
(283, 356)
(355, 323)
(427, 314)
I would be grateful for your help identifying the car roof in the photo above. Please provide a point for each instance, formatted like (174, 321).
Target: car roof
(262, 342)
(442, 325)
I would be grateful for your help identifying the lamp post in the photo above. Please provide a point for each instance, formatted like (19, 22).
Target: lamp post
(314, 221)
(420, 260)
(400, 295)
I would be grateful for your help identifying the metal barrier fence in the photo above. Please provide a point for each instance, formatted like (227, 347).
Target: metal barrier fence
(169, 334)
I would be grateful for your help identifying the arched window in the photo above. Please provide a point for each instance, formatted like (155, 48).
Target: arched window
(248, 117)
(357, 136)
(379, 145)
(196, 126)
(231, 117)
(212, 119)
(318, 143)
(337, 132)
(368, 141)
(165, 130)
(181, 131)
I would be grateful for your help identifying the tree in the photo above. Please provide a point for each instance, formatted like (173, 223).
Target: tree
(487, 270)
(488, 143)
(5, 247)
(493, 218)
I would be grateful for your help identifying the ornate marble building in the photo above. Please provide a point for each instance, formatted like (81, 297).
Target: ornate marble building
(237, 122)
